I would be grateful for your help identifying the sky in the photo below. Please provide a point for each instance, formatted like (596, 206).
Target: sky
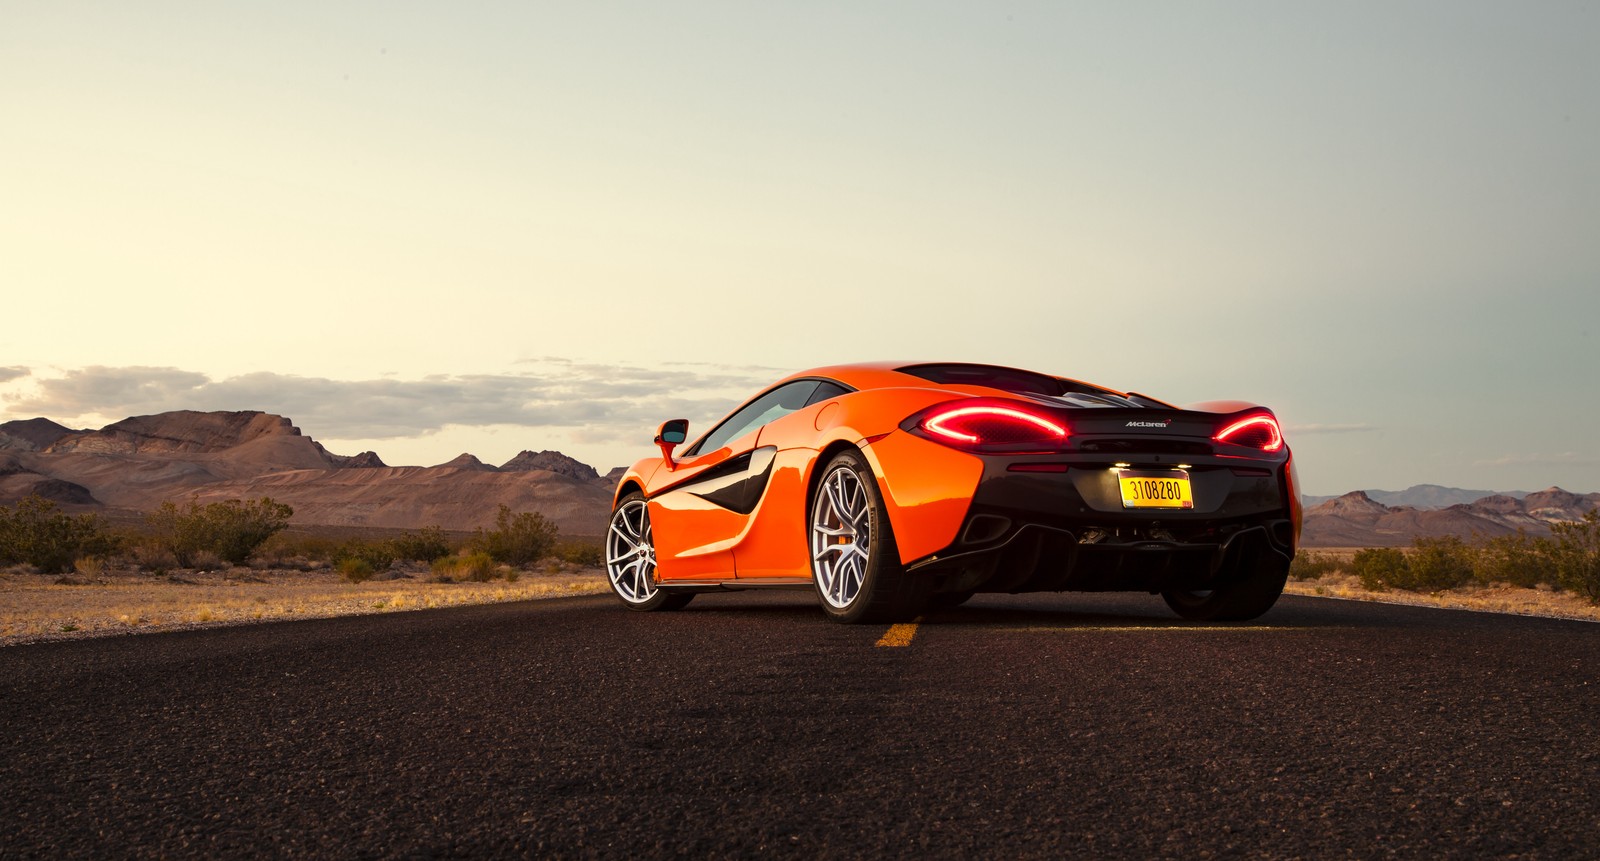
(424, 229)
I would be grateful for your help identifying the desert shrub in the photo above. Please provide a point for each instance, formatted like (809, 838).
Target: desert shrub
(354, 569)
(153, 557)
(1576, 555)
(89, 566)
(375, 554)
(208, 560)
(424, 545)
(1306, 565)
(517, 538)
(297, 551)
(36, 532)
(478, 567)
(1436, 564)
(232, 529)
(318, 548)
(588, 554)
(1379, 567)
(1514, 559)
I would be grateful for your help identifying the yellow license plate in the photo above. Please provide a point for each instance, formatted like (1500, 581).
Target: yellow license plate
(1163, 489)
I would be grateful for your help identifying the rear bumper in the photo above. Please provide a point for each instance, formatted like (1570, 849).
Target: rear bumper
(1036, 558)
(1067, 530)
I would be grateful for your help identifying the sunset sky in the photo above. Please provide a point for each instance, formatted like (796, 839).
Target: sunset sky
(432, 228)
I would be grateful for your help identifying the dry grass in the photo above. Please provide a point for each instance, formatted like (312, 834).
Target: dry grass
(33, 607)
(1496, 598)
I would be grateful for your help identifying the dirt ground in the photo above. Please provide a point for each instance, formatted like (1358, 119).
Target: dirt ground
(1498, 598)
(41, 607)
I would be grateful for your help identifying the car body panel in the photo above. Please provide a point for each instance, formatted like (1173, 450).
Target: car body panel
(927, 489)
(773, 543)
(694, 535)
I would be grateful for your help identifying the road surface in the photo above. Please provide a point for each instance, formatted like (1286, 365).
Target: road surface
(1016, 726)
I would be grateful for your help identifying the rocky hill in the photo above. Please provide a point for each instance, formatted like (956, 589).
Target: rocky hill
(140, 462)
(467, 461)
(31, 434)
(1357, 520)
(551, 461)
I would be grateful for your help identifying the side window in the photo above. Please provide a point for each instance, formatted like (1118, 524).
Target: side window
(826, 390)
(774, 404)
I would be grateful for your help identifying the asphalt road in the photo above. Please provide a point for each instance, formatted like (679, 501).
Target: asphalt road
(1029, 726)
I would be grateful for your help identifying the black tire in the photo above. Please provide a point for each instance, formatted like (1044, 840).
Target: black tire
(1242, 599)
(947, 600)
(631, 559)
(855, 586)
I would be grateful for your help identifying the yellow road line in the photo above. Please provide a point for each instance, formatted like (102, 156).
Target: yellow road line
(900, 635)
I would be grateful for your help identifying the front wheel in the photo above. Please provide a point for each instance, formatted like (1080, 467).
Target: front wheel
(631, 559)
(854, 560)
(1247, 597)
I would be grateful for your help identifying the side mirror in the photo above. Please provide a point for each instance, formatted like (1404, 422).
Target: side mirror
(670, 436)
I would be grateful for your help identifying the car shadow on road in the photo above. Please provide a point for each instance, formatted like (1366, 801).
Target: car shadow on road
(1127, 615)
(1064, 611)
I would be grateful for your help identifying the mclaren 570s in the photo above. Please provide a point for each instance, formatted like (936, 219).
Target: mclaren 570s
(893, 488)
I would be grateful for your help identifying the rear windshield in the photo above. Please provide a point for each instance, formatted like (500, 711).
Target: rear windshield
(1004, 379)
(1018, 382)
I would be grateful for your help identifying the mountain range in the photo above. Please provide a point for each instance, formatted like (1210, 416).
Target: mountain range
(140, 462)
(1423, 496)
(1358, 520)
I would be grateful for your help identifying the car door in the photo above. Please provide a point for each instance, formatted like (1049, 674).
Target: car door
(774, 545)
(704, 502)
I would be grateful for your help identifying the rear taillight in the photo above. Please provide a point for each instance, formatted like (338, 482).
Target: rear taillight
(1258, 432)
(993, 426)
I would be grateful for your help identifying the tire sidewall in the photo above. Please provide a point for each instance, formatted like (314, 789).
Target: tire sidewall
(880, 541)
(1240, 601)
(661, 596)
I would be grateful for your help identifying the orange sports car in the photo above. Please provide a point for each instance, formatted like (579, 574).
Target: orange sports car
(890, 488)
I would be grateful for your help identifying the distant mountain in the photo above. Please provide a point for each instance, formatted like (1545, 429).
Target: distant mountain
(467, 461)
(364, 460)
(1424, 496)
(552, 461)
(31, 434)
(140, 462)
(1358, 520)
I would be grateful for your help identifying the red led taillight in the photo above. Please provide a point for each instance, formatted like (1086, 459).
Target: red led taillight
(1261, 432)
(991, 426)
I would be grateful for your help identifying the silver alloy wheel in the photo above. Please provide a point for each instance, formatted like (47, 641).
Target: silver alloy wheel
(841, 536)
(631, 554)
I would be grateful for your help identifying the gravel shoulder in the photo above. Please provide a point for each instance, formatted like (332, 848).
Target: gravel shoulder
(1495, 598)
(41, 608)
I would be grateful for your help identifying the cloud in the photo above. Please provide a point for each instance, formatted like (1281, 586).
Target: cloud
(598, 401)
(13, 372)
(1329, 428)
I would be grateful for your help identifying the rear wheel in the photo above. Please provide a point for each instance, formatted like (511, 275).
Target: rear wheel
(1245, 598)
(854, 560)
(631, 559)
